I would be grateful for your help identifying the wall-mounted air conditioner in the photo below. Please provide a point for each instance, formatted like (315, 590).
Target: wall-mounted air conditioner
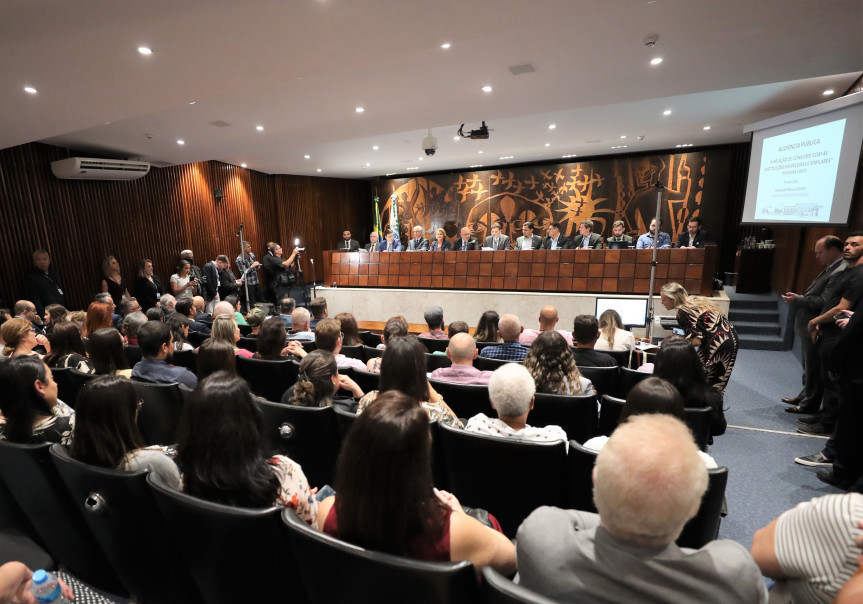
(99, 169)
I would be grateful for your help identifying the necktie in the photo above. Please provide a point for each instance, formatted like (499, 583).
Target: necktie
(495, 244)
(389, 246)
(586, 242)
(416, 244)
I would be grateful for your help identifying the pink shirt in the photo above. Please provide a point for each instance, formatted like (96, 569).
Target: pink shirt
(529, 335)
(461, 374)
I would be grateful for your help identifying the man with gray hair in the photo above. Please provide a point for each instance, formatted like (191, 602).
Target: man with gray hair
(167, 302)
(461, 351)
(223, 308)
(300, 320)
(509, 328)
(433, 316)
(648, 483)
(511, 390)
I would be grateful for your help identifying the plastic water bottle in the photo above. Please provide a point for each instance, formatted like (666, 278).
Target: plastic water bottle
(46, 588)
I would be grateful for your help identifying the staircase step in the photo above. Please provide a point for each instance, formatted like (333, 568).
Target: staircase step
(764, 303)
(756, 328)
(761, 342)
(770, 315)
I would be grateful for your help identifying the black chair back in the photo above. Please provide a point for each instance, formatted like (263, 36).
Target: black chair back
(36, 487)
(344, 421)
(18, 540)
(160, 413)
(186, 358)
(367, 380)
(121, 513)
(196, 338)
(267, 379)
(466, 400)
(310, 436)
(628, 379)
(484, 364)
(435, 345)
(481, 345)
(134, 354)
(609, 414)
(308, 345)
(624, 358)
(234, 554)
(698, 420)
(69, 382)
(353, 352)
(250, 344)
(704, 527)
(480, 470)
(370, 353)
(579, 479)
(245, 330)
(497, 589)
(436, 361)
(341, 572)
(575, 414)
(606, 380)
(370, 339)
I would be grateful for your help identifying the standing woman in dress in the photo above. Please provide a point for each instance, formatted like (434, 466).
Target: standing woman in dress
(112, 282)
(440, 244)
(706, 328)
(148, 288)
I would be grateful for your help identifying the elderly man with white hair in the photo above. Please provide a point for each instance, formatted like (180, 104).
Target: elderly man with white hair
(511, 390)
(648, 483)
(223, 308)
(300, 319)
(167, 302)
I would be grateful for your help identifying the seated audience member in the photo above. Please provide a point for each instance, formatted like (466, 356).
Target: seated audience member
(54, 314)
(106, 298)
(20, 339)
(224, 308)
(403, 368)
(394, 328)
(433, 316)
(585, 333)
(155, 314)
(457, 327)
(852, 591)
(319, 381)
(651, 395)
(300, 321)
(271, 340)
(319, 310)
(511, 391)
(106, 353)
(328, 336)
(106, 431)
(78, 317)
(418, 243)
(549, 360)
(350, 331)
(440, 243)
(391, 243)
(647, 241)
(99, 315)
(225, 329)
(548, 318)
(154, 338)
(678, 362)
(180, 331)
(131, 325)
(810, 550)
(509, 328)
(255, 319)
(200, 309)
(30, 410)
(694, 236)
(127, 306)
(221, 457)
(25, 309)
(465, 242)
(618, 235)
(613, 335)
(626, 553)
(385, 498)
(186, 308)
(486, 329)
(461, 351)
(586, 238)
(286, 307)
(167, 302)
(234, 301)
(213, 356)
(67, 349)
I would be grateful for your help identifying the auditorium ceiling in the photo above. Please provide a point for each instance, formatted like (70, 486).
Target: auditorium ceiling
(300, 68)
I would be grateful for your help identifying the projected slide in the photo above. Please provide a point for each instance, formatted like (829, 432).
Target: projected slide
(798, 174)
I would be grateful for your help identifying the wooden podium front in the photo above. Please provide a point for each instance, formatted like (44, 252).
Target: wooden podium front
(581, 270)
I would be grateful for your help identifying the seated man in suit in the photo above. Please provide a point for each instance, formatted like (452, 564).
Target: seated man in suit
(528, 241)
(574, 556)
(496, 241)
(373, 245)
(555, 240)
(465, 242)
(586, 238)
(391, 243)
(585, 332)
(618, 236)
(418, 243)
(646, 241)
(347, 244)
(461, 351)
(694, 236)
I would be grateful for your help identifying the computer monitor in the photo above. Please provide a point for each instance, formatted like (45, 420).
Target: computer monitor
(633, 311)
(619, 245)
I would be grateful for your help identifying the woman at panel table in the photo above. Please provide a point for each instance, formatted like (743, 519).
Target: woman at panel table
(440, 244)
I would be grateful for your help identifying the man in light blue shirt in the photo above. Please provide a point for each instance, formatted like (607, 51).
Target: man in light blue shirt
(646, 241)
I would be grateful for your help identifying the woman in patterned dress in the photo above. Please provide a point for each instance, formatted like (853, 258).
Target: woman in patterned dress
(30, 410)
(707, 329)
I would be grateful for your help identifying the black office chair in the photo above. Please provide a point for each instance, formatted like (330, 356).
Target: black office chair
(310, 436)
(160, 413)
(435, 345)
(579, 478)
(370, 339)
(367, 380)
(606, 380)
(353, 352)
(484, 364)
(480, 469)
(370, 353)
(609, 414)
(134, 354)
(234, 554)
(704, 527)
(196, 338)
(250, 344)
(308, 345)
(628, 379)
(18, 540)
(121, 513)
(497, 589)
(575, 414)
(186, 358)
(36, 487)
(698, 420)
(344, 421)
(267, 379)
(336, 571)
(466, 400)
(69, 383)
(623, 358)
(436, 361)
(245, 331)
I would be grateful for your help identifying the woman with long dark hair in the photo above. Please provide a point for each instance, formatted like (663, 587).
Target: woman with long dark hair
(54, 314)
(318, 382)
(220, 454)
(107, 435)
(349, 329)
(271, 340)
(183, 284)
(67, 349)
(107, 355)
(180, 330)
(486, 329)
(386, 500)
(215, 355)
(553, 368)
(28, 402)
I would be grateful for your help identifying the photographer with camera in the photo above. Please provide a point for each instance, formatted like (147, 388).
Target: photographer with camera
(280, 270)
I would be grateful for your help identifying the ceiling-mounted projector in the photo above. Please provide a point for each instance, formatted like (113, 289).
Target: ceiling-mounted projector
(480, 133)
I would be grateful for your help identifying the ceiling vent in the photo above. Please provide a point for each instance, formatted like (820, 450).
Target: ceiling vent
(86, 168)
(220, 124)
(520, 69)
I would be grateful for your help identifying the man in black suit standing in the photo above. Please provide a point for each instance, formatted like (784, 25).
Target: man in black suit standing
(496, 241)
(528, 241)
(44, 284)
(418, 243)
(694, 236)
(465, 242)
(586, 238)
(347, 244)
(373, 245)
(555, 240)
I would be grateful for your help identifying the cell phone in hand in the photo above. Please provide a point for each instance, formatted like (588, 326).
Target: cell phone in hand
(677, 331)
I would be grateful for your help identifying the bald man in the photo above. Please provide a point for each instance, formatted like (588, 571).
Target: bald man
(461, 351)
(509, 328)
(548, 318)
(465, 242)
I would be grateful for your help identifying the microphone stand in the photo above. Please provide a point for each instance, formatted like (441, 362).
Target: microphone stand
(650, 314)
(314, 279)
(243, 275)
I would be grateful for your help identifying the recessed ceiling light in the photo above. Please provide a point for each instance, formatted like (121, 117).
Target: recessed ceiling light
(706, 128)
(259, 128)
(622, 136)
(666, 112)
(30, 90)
(243, 166)
(181, 141)
(486, 89)
(360, 109)
(445, 45)
(307, 156)
(456, 137)
(828, 92)
(507, 157)
(375, 148)
(318, 170)
(476, 166)
(192, 102)
(480, 152)
(620, 147)
(548, 144)
(569, 155)
(656, 60)
(145, 51)
(368, 164)
(552, 126)
(684, 145)
(420, 158)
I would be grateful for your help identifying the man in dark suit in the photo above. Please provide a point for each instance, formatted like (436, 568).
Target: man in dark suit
(373, 245)
(465, 242)
(528, 241)
(585, 332)
(586, 238)
(44, 284)
(347, 244)
(618, 235)
(418, 243)
(555, 240)
(228, 282)
(694, 236)
(496, 241)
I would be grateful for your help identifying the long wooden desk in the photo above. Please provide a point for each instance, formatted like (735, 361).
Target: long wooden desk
(596, 271)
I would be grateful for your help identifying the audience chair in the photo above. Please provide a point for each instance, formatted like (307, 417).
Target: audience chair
(250, 344)
(245, 330)
(234, 554)
(436, 361)
(18, 540)
(435, 345)
(186, 358)
(575, 414)
(628, 379)
(268, 379)
(69, 382)
(344, 421)
(698, 420)
(134, 354)
(196, 338)
(704, 527)
(367, 380)
(606, 380)
(481, 345)
(310, 436)
(308, 345)
(609, 414)
(579, 478)
(370, 353)
(121, 513)
(336, 571)
(36, 487)
(439, 473)
(370, 339)
(484, 364)
(353, 352)
(160, 413)
(623, 358)
(481, 470)
(497, 589)
(466, 400)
